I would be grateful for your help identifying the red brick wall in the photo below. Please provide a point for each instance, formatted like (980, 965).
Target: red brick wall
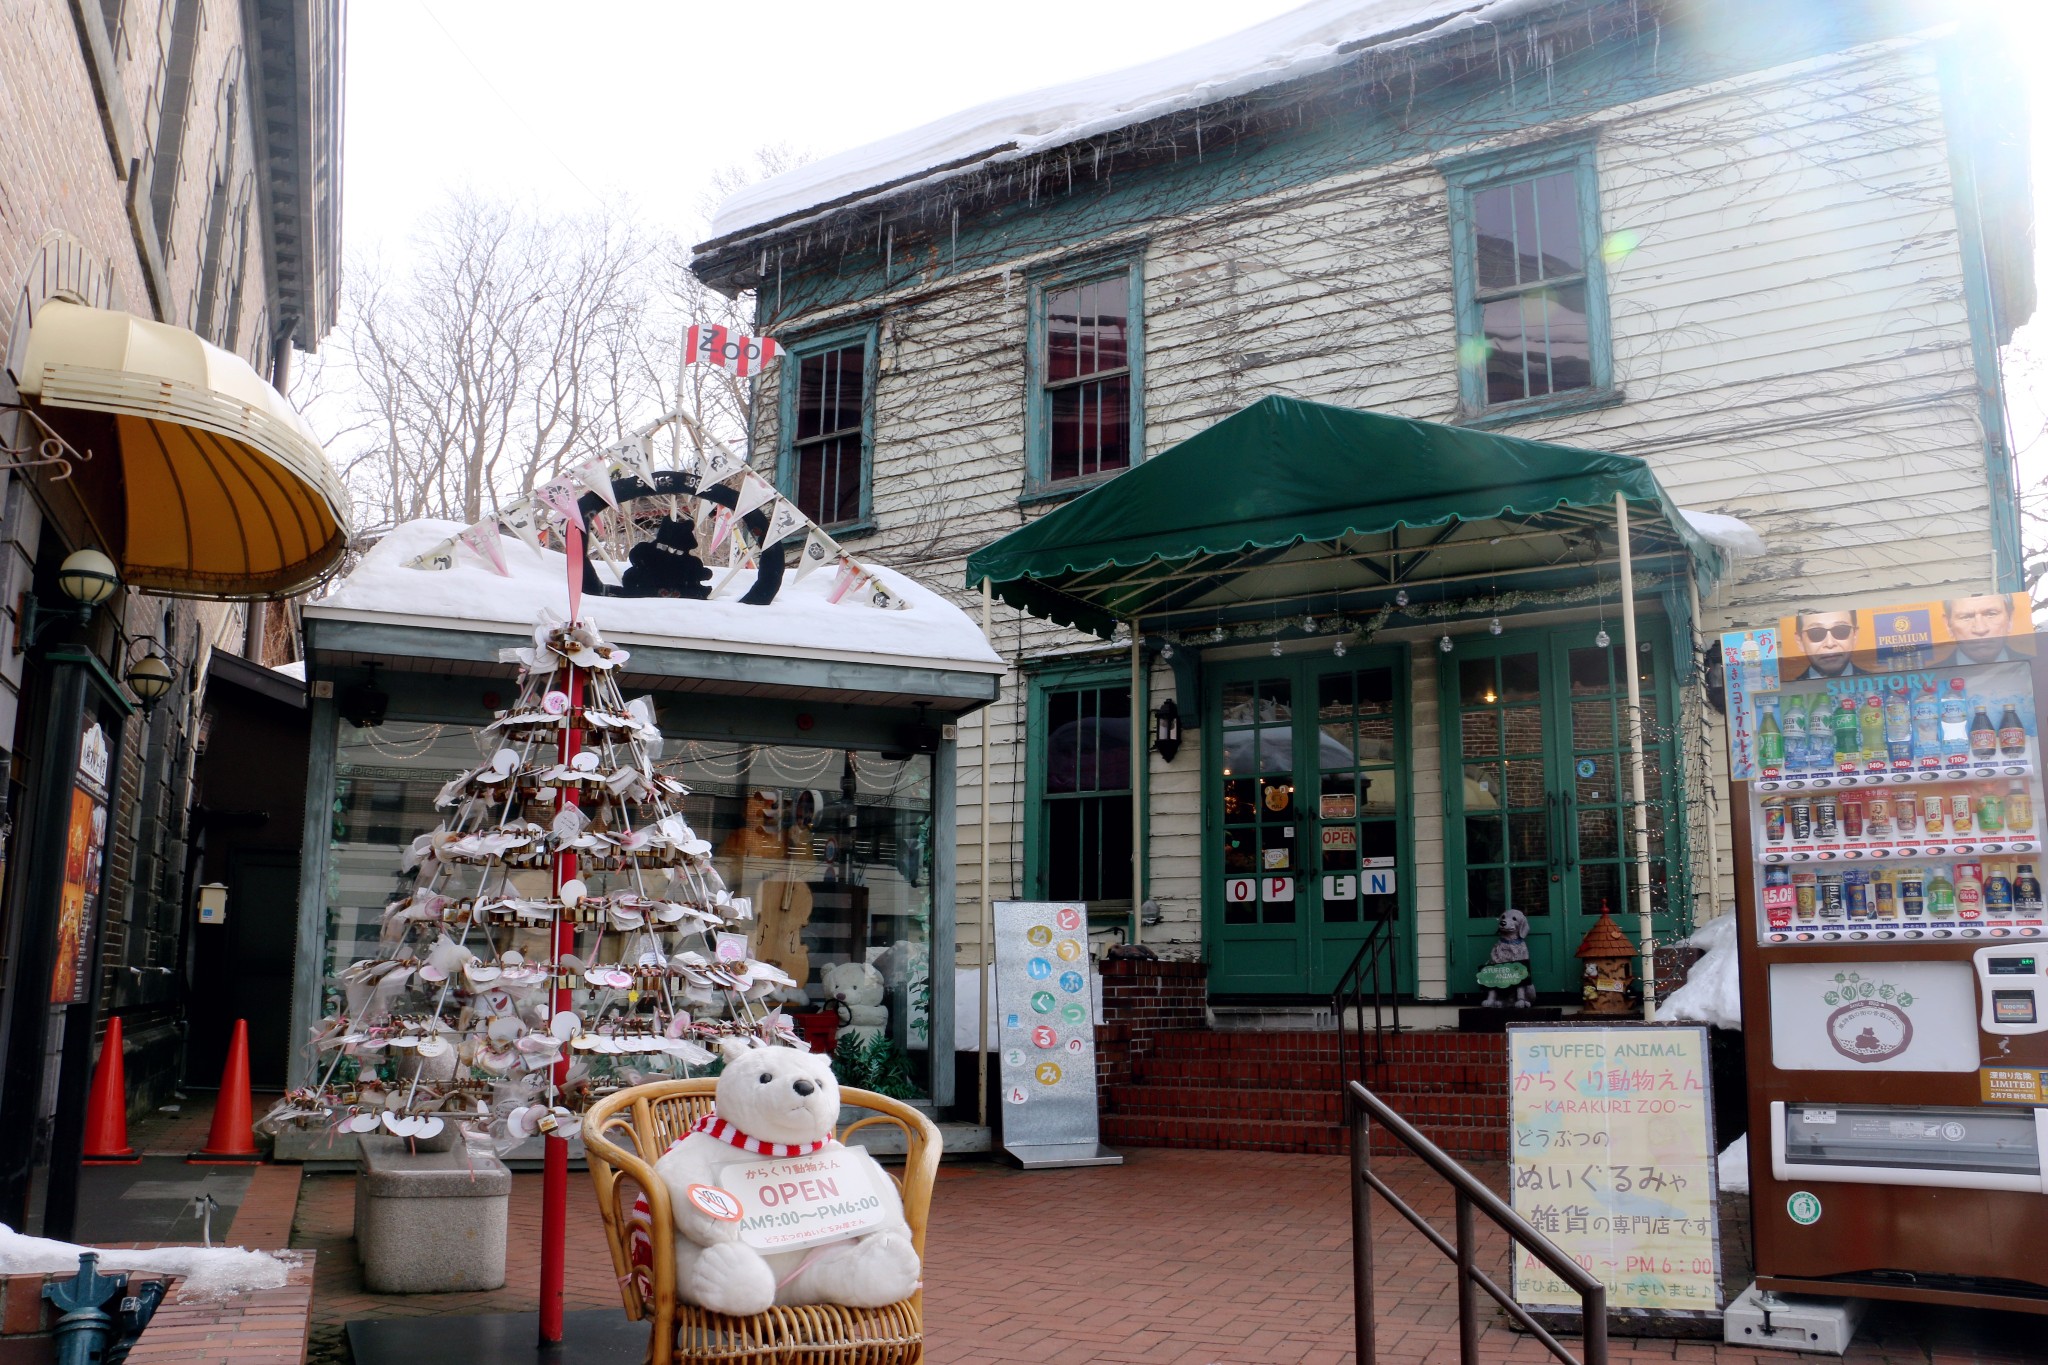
(1140, 999)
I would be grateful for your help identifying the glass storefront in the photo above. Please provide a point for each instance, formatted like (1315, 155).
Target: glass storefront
(833, 846)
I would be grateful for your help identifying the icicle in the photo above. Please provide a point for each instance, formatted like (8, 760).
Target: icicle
(1198, 136)
(888, 254)
(955, 263)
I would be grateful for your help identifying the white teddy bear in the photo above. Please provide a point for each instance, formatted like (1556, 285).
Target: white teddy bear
(860, 988)
(777, 1103)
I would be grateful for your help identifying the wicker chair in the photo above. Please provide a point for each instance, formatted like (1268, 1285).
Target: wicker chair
(625, 1132)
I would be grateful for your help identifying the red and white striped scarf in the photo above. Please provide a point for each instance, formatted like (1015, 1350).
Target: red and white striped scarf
(714, 1126)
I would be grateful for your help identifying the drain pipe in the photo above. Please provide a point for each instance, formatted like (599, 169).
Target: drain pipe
(87, 1334)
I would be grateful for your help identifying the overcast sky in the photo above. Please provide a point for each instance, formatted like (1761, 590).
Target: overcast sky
(638, 102)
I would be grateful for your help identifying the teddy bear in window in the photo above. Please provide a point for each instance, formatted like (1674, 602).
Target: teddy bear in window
(755, 1184)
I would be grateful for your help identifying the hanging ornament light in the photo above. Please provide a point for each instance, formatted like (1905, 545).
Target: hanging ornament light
(1601, 639)
(1339, 650)
(1275, 650)
(1166, 650)
(1493, 626)
(1444, 644)
(1401, 597)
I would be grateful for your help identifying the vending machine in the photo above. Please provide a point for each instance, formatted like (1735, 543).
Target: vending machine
(1888, 800)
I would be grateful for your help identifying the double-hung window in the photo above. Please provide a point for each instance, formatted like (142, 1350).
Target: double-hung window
(1080, 783)
(1532, 304)
(828, 427)
(1086, 376)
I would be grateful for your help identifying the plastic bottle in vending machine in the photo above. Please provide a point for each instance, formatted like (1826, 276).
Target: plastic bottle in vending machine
(1792, 721)
(2019, 809)
(1898, 729)
(1983, 735)
(1770, 741)
(1969, 891)
(1872, 724)
(1848, 737)
(1955, 725)
(1990, 812)
(2012, 731)
(1941, 894)
(1926, 728)
(1820, 735)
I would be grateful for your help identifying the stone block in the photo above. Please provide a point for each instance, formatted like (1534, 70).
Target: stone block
(430, 1222)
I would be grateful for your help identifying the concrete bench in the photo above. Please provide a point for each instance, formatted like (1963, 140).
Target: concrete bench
(430, 1222)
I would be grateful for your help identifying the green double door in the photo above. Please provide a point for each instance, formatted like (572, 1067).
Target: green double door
(1536, 792)
(1305, 820)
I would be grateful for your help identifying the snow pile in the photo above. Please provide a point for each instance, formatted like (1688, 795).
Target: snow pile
(1314, 38)
(1733, 536)
(800, 622)
(1711, 993)
(207, 1272)
(1732, 1170)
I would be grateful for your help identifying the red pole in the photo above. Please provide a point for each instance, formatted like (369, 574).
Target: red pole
(554, 1188)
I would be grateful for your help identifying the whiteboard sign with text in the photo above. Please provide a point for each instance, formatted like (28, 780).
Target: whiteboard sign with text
(1612, 1157)
(1045, 1027)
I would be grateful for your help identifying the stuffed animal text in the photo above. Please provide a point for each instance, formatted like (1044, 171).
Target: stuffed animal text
(770, 1208)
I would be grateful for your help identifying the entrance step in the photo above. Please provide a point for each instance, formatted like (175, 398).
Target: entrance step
(1273, 1018)
(1280, 1090)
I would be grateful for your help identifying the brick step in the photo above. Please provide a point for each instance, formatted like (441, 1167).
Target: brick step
(1418, 1048)
(1217, 1135)
(1326, 1106)
(1256, 1073)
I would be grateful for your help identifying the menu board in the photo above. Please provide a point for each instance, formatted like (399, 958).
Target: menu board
(1612, 1151)
(1045, 1030)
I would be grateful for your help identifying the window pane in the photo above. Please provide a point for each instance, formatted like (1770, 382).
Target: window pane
(1485, 840)
(1062, 334)
(1479, 733)
(1494, 236)
(1482, 787)
(1521, 677)
(1276, 701)
(1589, 672)
(1525, 729)
(1500, 322)
(1486, 893)
(1565, 338)
(1476, 682)
(1557, 210)
(1089, 428)
(828, 479)
(1525, 789)
(1529, 890)
(1334, 699)
(1529, 836)
(828, 393)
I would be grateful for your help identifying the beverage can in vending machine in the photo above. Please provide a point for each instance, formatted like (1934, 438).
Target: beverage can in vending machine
(1877, 815)
(1805, 895)
(1799, 817)
(1774, 819)
(1961, 813)
(1906, 814)
(1934, 815)
(1912, 892)
(1825, 824)
(1884, 896)
(1778, 896)
(1856, 893)
(1833, 902)
(1849, 808)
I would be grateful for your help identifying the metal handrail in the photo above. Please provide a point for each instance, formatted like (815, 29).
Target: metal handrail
(1348, 995)
(1366, 1107)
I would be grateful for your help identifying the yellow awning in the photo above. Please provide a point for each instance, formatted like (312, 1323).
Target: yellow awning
(223, 489)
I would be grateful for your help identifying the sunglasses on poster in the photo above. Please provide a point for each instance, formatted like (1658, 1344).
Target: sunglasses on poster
(1817, 634)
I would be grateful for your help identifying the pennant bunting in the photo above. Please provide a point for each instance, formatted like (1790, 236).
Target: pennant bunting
(482, 538)
(885, 599)
(709, 344)
(522, 519)
(560, 494)
(754, 492)
(819, 550)
(717, 462)
(435, 560)
(784, 521)
(850, 579)
(635, 456)
(721, 526)
(596, 475)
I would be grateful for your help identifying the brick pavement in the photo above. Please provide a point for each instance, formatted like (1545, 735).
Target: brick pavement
(1175, 1256)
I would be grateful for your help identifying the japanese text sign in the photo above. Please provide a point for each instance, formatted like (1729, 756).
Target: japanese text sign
(1046, 1024)
(1611, 1144)
(800, 1201)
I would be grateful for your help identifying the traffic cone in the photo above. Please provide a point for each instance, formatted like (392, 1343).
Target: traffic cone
(106, 1112)
(232, 1141)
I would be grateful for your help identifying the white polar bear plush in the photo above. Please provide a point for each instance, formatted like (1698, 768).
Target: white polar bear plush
(860, 988)
(772, 1103)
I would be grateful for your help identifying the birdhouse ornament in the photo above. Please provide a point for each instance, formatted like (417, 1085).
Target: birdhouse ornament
(1610, 966)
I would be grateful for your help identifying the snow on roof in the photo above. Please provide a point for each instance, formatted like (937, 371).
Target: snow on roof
(799, 622)
(1302, 42)
(1733, 536)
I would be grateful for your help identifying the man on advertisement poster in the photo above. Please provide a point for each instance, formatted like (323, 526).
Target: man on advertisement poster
(1828, 638)
(1981, 626)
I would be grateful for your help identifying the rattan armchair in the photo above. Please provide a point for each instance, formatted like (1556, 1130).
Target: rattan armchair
(624, 1133)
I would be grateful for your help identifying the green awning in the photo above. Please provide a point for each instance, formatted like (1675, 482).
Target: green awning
(1289, 500)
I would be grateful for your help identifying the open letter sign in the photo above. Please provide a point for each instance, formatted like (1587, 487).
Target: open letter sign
(1379, 883)
(1340, 888)
(1273, 889)
(1240, 891)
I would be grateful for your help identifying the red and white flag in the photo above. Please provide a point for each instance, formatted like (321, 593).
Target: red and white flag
(728, 350)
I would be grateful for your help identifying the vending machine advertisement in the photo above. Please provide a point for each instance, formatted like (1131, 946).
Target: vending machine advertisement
(1886, 768)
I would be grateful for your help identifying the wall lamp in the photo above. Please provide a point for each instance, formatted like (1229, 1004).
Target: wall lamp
(87, 577)
(1166, 729)
(150, 676)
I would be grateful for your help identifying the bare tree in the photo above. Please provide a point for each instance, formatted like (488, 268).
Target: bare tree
(509, 344)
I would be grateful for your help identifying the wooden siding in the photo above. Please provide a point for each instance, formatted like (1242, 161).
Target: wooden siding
(1790, 344)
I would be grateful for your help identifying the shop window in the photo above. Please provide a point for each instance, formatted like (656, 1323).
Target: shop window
(1086, 397)
(1532, 306)
(1081, 833)
(827, 419)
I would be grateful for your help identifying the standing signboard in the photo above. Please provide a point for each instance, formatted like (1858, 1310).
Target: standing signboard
(1611, 1140)
(1045, 1028)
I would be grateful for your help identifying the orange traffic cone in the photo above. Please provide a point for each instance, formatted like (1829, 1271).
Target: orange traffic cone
(231, 1141)
(106, 1112)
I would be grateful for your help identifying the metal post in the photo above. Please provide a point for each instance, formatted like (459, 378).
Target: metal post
(1141, 762)
(1639, 825)
(987, 956)
(1365, 1349)
(1712, 822)
(1468, 1292)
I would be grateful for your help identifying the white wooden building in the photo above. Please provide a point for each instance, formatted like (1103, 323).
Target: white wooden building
(1769, 250)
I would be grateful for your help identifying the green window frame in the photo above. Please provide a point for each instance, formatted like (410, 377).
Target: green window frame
(1074, 436)
(814, 441)
(1073, 805)
(1527, 267)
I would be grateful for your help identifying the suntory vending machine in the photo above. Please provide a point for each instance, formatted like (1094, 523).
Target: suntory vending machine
(1888, 807)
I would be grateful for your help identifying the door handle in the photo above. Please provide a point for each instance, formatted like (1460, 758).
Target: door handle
(1571, 834)
(1553, 852)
